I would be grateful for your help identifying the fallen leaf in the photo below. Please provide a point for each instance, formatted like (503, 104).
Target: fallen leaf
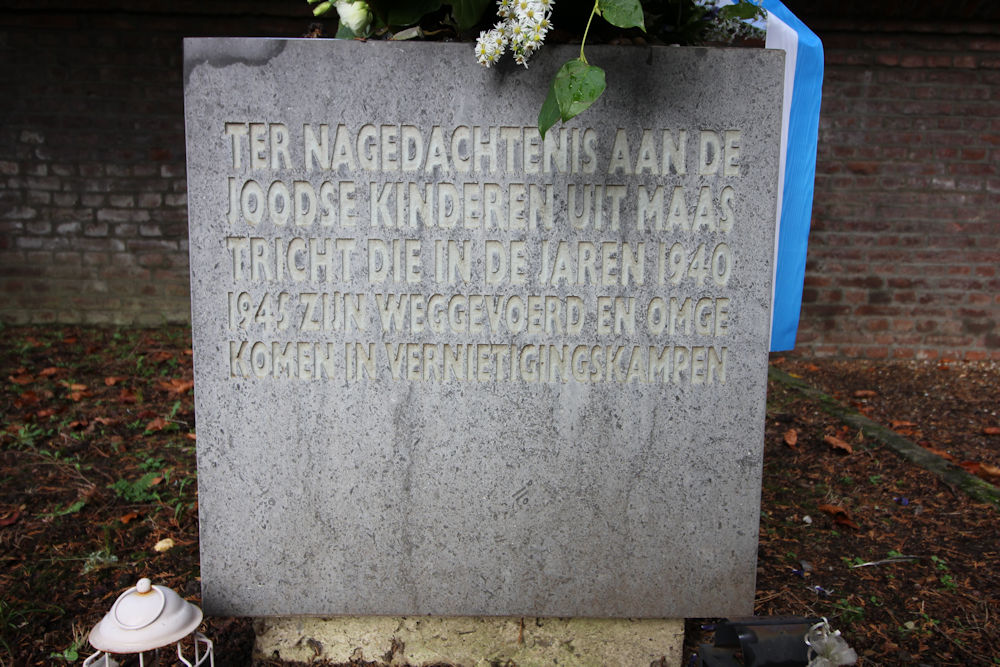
(833, 510)
(162, 355)
(844, 521)
(837, 443)
(157, 424)
(991, 430)
(69, 340)
(125, 518)
(78, 423)
(126, 396)
(191, 436)
(48, 372)
(27, 398)
(983, 471)
(45, 412)
(175, 385)
(898, 423)
(791, 437)
(163, 545)
(812, 368)
(10, 518)
(112, 380)
(22, 379)
(156, 480)
(105, 421)
(841, 516)
(865, 393)
(940, 452)
(76, 390)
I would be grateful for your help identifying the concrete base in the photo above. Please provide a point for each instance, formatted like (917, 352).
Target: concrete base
(473, 641)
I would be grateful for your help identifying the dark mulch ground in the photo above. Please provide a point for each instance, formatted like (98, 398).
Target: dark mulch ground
(97, 469)
(834, 501)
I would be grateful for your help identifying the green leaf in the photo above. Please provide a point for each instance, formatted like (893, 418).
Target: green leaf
(622, 13)
(72, 509)
(69, 509)
(741, 10)
(408, 12)
(467, 13)
(343, 32)
(549, 113)
(577, 86)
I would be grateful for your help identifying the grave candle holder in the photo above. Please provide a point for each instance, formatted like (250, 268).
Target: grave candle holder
(148, 618)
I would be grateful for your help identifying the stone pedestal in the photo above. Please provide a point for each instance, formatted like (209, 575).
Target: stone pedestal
(472, 641)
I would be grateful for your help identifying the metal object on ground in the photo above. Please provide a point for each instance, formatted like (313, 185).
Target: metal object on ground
(763, 642)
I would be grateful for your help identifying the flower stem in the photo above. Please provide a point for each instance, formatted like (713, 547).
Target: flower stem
(585, 31)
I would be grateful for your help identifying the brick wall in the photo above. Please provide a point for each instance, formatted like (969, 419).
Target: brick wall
(906, 237)
(93, 219)
(904, 256)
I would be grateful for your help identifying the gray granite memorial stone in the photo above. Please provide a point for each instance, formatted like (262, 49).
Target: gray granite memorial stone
(443, 366)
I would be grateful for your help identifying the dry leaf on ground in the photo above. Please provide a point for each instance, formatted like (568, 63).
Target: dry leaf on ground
(175, 385)
(841, 516)
(837, 443)
(157, 424)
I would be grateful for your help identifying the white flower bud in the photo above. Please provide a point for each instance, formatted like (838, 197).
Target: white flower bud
(355, 15)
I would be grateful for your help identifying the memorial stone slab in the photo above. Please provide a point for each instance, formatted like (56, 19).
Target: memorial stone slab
(444, 366)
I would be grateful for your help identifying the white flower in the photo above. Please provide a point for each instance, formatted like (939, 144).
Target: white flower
(505, 9)
(523, 28)
(355, 15)
(529, 10)
(489, 47)
(499, 36)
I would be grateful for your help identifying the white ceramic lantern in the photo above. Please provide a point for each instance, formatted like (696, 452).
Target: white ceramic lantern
(146, 618)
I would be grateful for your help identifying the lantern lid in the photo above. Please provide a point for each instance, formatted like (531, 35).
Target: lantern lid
(143, 618)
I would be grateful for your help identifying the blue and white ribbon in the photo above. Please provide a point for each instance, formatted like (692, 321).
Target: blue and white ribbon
(797, 166)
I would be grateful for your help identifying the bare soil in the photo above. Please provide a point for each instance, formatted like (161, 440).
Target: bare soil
(97, 462)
